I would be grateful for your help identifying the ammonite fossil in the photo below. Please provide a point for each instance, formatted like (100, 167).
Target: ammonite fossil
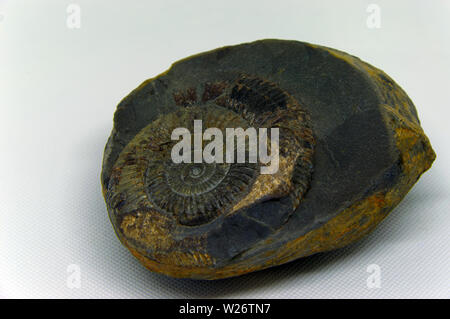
(349, 147)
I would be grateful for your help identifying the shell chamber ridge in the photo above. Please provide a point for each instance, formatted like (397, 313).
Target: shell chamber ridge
(144, 177)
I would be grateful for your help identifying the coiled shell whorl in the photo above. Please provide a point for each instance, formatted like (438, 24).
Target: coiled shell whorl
(193, 194)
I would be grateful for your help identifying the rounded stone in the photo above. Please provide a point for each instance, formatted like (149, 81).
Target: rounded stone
(350, 147)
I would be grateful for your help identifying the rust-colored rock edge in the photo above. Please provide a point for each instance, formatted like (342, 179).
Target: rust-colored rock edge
(350, 225)
(354, 222)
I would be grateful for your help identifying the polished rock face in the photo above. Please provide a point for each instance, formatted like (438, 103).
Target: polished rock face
(350, 147)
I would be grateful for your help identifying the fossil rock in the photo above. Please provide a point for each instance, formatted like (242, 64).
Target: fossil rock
(350, 148)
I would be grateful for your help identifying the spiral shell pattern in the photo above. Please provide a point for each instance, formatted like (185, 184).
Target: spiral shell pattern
(193, 194)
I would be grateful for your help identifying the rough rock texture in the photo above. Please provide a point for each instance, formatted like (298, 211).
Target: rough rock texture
(351, 147)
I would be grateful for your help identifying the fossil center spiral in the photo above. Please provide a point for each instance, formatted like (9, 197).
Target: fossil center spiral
(192, 193)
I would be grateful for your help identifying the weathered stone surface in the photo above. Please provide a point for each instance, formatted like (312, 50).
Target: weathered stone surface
(351, 148)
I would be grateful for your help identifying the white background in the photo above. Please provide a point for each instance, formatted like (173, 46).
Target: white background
(59, 88)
